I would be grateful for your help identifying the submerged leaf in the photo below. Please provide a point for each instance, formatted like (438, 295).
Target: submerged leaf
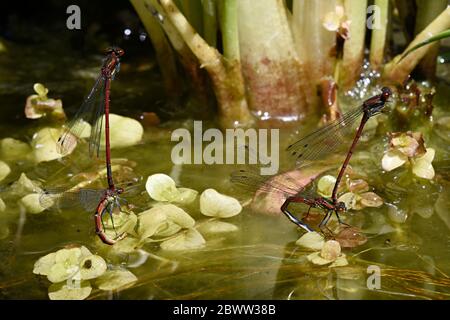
(115, 279)
(213, 227)
(311, 240)
(189, 240)
(215, 204)
(31, 203)
(44, 145)
(12, 149)
(127, 131)
(24, 186)
(185, 196)
(4, 170)
(2, 205)
(73, 291)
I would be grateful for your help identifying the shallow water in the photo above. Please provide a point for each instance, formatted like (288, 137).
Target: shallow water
(260, 260)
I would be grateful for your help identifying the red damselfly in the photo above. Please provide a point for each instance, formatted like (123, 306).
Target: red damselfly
(101, 200)
(291, 191)
(328, 138)
(94, 108)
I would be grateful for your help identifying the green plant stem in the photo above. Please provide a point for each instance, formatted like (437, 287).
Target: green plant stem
(210, 22)
(427, 11)
(229, 28)
(398, 69)
(193, 11)
(225, 75)
(378, 40)
(354, 47)
(164, 53)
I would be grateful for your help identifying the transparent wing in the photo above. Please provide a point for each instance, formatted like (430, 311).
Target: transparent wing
(96, 132)
(61, 198)
(327, 139)
(87, 113)
(285, 183)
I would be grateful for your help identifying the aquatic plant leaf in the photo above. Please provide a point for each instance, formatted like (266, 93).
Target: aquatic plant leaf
(169, 228)
(397, 214)
(350, 199)
(437, 37)
(339, 262)
(13, 149)
(185, 196)
(149, 222)
(115, 279)
(41, 90)
(23, 186)
(66, 265)
(331, 250)
(44, 264)
(126, 245)
(188, 240)
(215, 204)
(317, 259)
(44, 145)
(215, 226)
(177, 215)
(161, 187)
(393, 159)
(325, 185)
(422, 166)
(350, 237)
(5, 170)
(92, 267)
(125, 132)
(31, 203)
(76, 291)
(311, 240)
(371, 199)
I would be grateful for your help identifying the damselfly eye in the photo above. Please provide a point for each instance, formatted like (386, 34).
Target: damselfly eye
(386, 92)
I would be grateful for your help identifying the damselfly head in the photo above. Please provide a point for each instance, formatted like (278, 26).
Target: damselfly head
(385, 93)
(116, 50)
(119, 190)
(340, 206)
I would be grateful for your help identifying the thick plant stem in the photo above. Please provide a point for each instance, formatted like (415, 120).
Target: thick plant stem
(210, 22)
(188, 60)
(379, 31)
(313, 42)
(225, 75)
(353, 57)
(427, 11)
(269, 61)
(398, 71)
(229, 28)
(164, 53)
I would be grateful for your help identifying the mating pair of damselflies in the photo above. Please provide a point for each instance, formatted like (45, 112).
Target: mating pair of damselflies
(93, 110)
(310, 148)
